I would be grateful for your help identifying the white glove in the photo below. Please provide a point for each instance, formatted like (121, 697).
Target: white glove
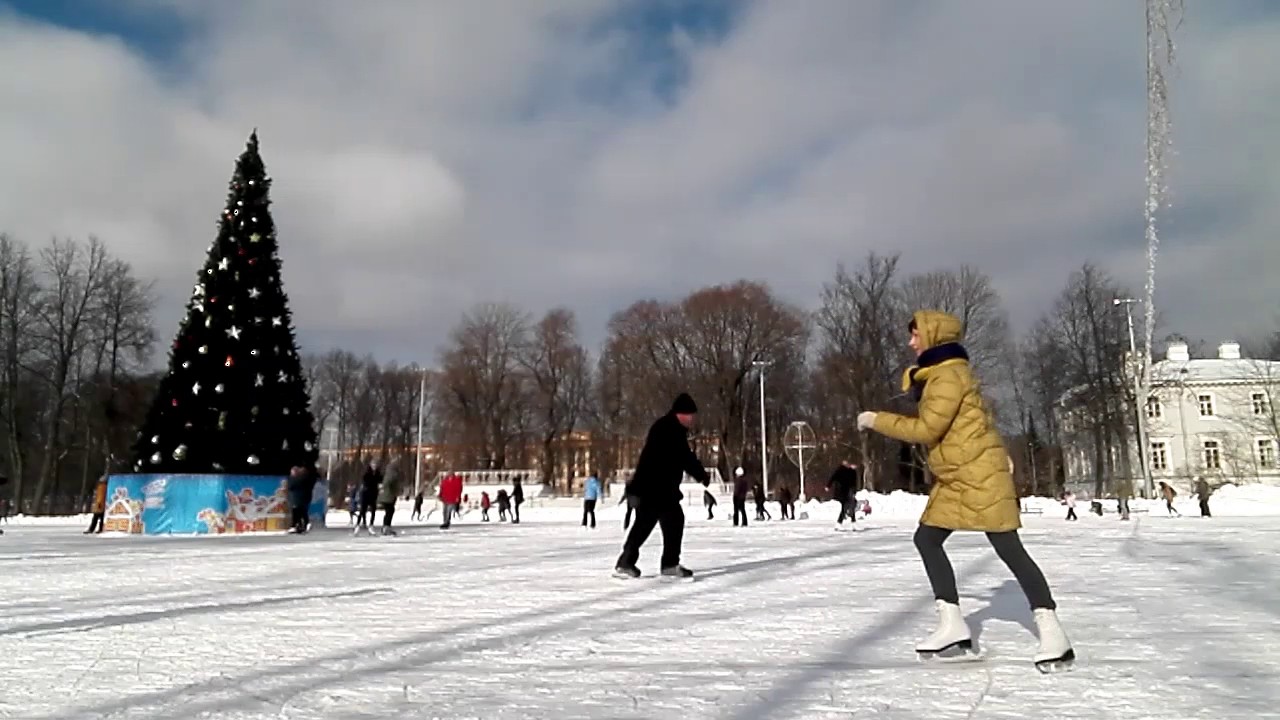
(866, 420)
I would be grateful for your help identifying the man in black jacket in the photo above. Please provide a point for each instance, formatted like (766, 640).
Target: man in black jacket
(655, 487)
(843, 486)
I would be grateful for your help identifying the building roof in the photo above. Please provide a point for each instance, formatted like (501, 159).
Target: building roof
(1214, 371)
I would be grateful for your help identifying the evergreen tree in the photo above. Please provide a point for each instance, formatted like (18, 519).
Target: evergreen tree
(235, 399)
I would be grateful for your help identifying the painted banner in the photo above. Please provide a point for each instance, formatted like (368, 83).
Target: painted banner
(201, 504)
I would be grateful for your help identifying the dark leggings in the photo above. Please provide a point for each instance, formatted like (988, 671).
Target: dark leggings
(1007, 545)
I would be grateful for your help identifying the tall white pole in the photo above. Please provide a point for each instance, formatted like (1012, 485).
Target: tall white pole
(764, 441)
(800, 451)
(417, 469)
(1139, 402)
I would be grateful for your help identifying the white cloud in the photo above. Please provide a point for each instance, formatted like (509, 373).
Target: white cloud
(430, 155)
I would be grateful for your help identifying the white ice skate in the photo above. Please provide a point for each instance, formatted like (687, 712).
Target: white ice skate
(951, 641)
(1055, 653)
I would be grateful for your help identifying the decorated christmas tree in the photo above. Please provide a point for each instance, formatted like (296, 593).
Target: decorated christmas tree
(234, 400)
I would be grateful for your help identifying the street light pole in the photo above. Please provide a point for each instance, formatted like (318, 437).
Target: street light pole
(417, 466)
(1139, 402)
(764, 446)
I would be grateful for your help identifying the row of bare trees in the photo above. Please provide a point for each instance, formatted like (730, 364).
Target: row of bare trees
(510, 390)
(75, 335)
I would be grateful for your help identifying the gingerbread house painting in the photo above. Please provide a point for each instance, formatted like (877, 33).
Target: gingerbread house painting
(124, 514)
(248, 512)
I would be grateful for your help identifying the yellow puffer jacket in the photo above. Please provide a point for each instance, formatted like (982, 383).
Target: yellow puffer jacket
(973, 486)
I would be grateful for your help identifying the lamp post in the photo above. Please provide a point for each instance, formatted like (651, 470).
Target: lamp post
(1139, 402)
(764, 447)
(417, 465)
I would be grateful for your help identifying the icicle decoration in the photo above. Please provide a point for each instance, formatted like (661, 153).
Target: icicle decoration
(1163, 17)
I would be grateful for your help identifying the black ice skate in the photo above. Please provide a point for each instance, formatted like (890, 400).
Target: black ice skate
(677, 572)
(626, 572)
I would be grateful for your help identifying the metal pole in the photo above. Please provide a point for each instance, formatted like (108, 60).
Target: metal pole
(764, 446)
(1140, 402)
(417, 469)
(800, 455)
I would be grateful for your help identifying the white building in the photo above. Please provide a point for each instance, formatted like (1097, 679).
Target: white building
(1210, 417)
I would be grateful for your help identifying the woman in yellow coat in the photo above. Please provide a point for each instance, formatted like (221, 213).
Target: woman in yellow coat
(972, 489)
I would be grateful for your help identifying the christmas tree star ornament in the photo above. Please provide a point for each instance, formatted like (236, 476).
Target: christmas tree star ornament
(257, 382)
(233, 332)
(224, 263)
(255, 237)
(195, 389)
(253, 293)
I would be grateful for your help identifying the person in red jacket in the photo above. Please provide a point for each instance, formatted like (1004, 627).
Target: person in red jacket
(450, 497)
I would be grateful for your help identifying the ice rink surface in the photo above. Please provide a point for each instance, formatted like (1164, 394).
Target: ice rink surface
(1171, 618)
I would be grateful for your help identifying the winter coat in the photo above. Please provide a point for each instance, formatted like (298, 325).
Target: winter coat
(369, 484)
(517, 493)
(504, 500)
(973, 488)
(389, 491)
(1202, 489)
(664, 460)
(100, 496)
(451, 489)
(484, 501)
(741, 487)
(592, 489)
(843, 482)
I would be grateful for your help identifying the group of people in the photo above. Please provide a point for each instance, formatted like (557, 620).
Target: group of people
(973, 487)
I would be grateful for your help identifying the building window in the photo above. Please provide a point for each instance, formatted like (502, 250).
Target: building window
(1212, 455)
(1267, 453)
(1206, 405)
(1159, 455)
(1155, 409)
(1259, 401)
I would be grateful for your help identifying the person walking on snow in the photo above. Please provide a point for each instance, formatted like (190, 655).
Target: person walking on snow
(1167, 491)
(387, 495)
(99, 506)
(762, 513)
(662, 465)
(973, 489)
(517, 499)
(1069, 499)
(450, 498)
(484, 506)
(843, 485)
(590, 496)
(369, 485)
(417, 506)
(1202, 493)
(741, 486)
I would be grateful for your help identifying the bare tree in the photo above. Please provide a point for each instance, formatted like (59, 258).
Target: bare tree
(861, 348)
(74, 277)
(18, 405)
(559, 377)
(482, 391)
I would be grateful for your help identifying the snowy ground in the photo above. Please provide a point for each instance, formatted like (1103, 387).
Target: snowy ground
(1172, 618)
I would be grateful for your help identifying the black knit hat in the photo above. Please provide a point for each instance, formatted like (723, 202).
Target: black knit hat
(684, 405)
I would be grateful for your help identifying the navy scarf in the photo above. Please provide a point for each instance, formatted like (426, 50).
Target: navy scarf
(935, 356)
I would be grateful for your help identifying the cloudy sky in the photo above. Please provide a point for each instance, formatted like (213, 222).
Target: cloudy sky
(431, 154)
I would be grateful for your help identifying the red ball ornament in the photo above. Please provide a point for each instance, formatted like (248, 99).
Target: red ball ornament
(175, 402)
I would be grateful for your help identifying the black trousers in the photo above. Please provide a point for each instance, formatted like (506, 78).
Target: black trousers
(740, 510)
(848, 507)
(368, 504)
(1007, 545)
(515, 511)
(1204, 508)
(1071, 514)
(588, 511)
(626, 519)
(670, 517)
(95, 523)
(388, 511)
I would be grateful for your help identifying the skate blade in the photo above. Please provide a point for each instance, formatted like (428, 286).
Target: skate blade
(953, 654)
(1063, 664)
(625, 576)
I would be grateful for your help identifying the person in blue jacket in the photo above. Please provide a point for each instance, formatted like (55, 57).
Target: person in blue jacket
(590, 495)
